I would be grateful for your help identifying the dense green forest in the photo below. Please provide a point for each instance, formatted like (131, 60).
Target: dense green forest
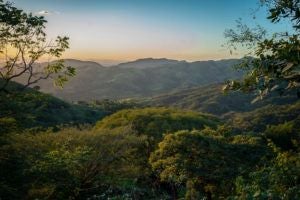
(197, 143)
(142, 152)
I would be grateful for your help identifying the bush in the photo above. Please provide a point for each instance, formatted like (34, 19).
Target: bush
(283, 135)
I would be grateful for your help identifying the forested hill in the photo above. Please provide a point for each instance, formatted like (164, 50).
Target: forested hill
(29, 108)
(144, 77)
(237, 109)
(211, 99)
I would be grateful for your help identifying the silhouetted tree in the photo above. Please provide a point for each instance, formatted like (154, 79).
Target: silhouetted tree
(22, 43)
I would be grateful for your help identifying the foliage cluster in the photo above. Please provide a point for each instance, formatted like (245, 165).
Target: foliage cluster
(23, 43)
(273, 64)
(184, 155)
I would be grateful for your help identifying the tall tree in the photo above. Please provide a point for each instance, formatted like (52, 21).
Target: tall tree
(23, 42)
(194, 159)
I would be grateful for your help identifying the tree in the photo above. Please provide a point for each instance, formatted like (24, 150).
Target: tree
(205, 163)
(23, 42)
(278, 178)
(192, 159)
(70, 164)
(275, 61)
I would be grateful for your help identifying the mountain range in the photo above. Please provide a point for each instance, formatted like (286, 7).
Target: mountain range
(141, 78)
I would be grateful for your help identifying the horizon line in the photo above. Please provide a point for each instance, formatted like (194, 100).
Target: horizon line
(145, 58)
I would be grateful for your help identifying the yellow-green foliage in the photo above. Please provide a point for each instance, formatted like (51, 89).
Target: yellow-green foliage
(8, 124)
(67, 164)
(210, 162)
(155, 122)
(283, 135)
(277, 178)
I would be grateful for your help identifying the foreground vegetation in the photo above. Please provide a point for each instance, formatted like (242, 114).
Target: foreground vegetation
(51, 149)
(145, 153)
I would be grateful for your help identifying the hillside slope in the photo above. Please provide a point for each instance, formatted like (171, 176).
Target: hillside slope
(32, 109)
(211, 99)
(235, 108)
(141, 78)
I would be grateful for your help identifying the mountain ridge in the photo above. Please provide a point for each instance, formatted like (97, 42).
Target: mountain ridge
(135, 80)
(149, 63)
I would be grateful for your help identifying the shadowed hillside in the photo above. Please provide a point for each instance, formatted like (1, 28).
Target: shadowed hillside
(145, 77)
(33, 109)
(211, 99)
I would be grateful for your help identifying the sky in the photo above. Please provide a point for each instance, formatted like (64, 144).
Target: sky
(123, 30)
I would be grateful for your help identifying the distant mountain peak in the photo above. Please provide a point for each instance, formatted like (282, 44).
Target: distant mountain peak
(153, 59)
(143, 63)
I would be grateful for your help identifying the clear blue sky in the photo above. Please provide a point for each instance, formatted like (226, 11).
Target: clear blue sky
(131, 29)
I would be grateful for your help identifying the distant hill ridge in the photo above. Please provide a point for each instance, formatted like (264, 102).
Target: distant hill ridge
(149, 63)
(211, 99)
(77, 62)
(141, 78)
